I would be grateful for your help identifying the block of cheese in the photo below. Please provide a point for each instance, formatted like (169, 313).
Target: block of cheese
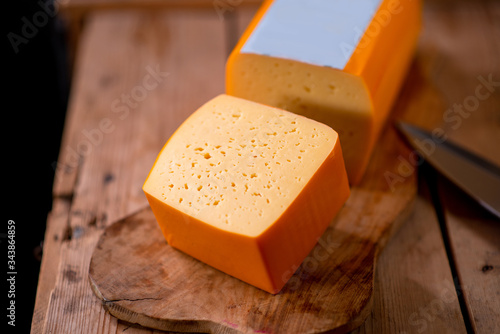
(338, 62)
(248, 189)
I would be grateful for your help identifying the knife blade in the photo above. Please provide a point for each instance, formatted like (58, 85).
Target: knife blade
(476, 176)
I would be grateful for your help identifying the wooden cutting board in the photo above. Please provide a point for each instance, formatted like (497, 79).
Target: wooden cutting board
(141, 279)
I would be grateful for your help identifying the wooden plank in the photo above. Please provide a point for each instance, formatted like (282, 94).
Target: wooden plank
(434, 305)
(474, 237)
(437, 46)
(415, 263)
(70, 5)
(454, 60)
(439, 55)
(123, 309)
(55, 234)
(116, 125)
(465, 43)
(470, 81)
(414, 288)
(73, 12)
(429, 299)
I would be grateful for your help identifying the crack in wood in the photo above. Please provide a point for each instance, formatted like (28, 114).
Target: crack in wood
(431, 177)
(108, 301)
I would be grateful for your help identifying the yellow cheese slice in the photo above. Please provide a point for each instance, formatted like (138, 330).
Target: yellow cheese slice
(338, 62)
(248, 188)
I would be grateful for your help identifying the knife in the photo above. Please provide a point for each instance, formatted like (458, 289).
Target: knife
(476, 176)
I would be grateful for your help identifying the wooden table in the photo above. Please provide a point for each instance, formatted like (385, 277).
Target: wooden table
(440, 273)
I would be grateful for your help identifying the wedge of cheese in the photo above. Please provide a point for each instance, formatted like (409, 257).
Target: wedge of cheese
(338, 62)
(248, 189)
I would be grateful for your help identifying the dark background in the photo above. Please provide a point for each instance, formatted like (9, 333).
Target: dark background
(38, 83)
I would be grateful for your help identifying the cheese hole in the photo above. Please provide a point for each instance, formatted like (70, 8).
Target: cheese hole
(207, 156)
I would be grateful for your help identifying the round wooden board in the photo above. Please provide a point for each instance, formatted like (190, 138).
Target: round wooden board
(141, 279)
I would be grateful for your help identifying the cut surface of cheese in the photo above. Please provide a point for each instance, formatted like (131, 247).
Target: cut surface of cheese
(248, 188)
(338, 63)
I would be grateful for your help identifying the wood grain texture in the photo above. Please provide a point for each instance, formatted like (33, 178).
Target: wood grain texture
(55, 235)
(449, 60)
(414, 268)
(466, 43)
(460, 42)
(229, 305)
(118, 119)
(74, 12)
(474, 236)
(472, 233)
(91, 5)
